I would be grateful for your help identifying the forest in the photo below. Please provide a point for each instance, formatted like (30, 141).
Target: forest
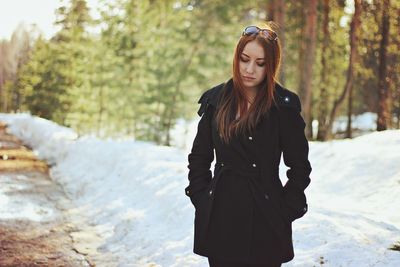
(140, 66)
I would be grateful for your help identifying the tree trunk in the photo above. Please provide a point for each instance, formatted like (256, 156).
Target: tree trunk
(396, 101)
(349, 113)
(306, 61)
(323, 100)
(354, 29)
(3, 75)
(276, 10)
(101, 109)
(383, 91)
(171, 110)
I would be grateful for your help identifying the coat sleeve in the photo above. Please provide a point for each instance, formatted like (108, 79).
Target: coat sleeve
(202, 152)
(295, 150)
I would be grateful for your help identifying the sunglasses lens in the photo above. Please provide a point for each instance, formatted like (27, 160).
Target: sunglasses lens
(251, 30)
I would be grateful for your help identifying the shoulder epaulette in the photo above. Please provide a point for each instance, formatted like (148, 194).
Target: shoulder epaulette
(209, 97)
(286, 98)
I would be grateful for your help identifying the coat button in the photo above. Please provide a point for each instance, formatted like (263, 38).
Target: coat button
(210, 192)
(222, 164)
(305, 209)
(250, 138)
(286, 99)
(254, 165)
(266, 196)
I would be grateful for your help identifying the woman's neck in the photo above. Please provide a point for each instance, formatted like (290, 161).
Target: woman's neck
(251, 94)
(249, 103)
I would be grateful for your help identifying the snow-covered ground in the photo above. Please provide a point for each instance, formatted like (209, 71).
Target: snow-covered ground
(133, 192)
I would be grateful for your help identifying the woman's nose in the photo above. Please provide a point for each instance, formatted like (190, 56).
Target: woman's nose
(250, 68)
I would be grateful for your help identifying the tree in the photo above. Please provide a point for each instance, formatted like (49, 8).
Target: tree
(306, 60)
(384, 115)
(354, 28)
(3, 74)
(277, 12)
(323, 99)
(164, 54)
(14, 54)
(152, 60)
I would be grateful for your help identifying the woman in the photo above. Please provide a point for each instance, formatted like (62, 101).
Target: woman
(243, 212)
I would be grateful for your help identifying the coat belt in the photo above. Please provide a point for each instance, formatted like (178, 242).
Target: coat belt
(222, 167)
(261, 198)
(249, 173)
(240, 170)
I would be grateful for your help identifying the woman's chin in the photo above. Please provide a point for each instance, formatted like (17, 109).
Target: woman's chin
(249, 84)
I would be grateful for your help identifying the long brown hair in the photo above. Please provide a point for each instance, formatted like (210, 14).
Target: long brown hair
(228, 104)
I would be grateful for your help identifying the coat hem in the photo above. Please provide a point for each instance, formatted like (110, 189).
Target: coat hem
(205, 254)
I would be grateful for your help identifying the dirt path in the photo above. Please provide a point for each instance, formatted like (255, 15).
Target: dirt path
(34, 230)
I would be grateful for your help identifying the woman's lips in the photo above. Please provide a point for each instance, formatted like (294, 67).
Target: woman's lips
(248, 78)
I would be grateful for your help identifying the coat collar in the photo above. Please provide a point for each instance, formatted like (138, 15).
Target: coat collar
(283, 97)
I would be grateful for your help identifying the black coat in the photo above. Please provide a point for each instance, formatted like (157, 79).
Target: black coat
(243, 213)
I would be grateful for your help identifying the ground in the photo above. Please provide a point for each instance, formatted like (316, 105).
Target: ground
(34, 230)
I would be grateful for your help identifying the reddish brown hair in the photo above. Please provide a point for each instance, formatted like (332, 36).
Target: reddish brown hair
(236, 99)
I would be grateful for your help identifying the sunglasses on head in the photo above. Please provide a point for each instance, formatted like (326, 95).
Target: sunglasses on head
(250, 30)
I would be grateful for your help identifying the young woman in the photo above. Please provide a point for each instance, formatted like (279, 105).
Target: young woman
(243, 212)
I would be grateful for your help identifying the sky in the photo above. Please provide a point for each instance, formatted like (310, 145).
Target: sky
(40, 12)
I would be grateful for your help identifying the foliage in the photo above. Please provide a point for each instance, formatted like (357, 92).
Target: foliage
(143, 64)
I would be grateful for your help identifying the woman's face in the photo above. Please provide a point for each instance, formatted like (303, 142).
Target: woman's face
(252, 65)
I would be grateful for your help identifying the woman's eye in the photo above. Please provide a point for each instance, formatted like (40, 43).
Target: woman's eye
(244, 60)
(260, 64)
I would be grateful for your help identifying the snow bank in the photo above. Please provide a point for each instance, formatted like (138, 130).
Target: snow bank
(134, 192)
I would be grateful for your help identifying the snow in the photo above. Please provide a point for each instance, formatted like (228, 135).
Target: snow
(133, 193)
(365, 122)
(360, 124)
(13, 207)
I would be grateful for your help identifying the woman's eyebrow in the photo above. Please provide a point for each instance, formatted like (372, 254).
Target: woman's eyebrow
(249, 56)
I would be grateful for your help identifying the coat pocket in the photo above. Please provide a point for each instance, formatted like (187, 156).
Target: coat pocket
(200, 197)
(296, 211)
